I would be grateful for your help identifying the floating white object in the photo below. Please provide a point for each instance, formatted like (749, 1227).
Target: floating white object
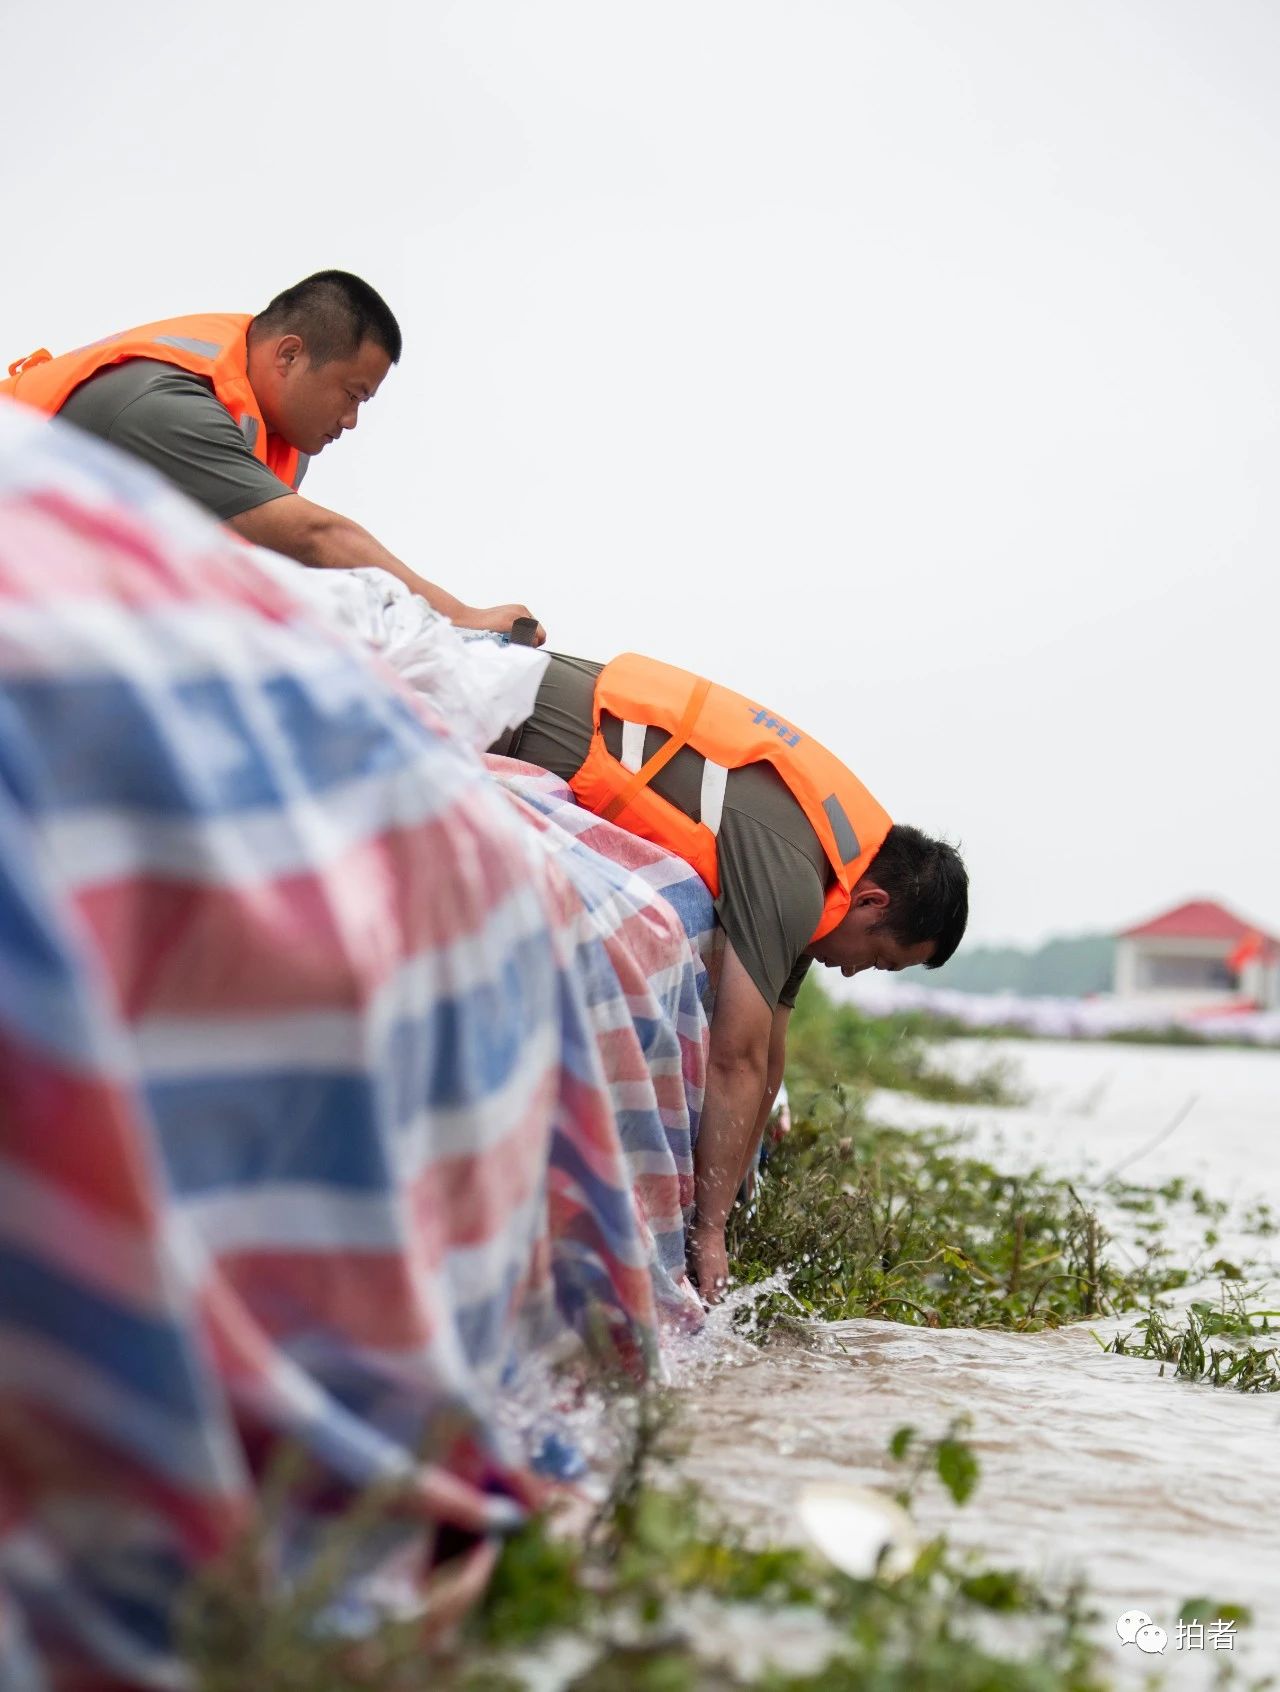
(859, 1530)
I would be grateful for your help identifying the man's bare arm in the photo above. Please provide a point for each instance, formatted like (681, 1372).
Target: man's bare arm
(737, 1067)
(314, 535)
(777, 1063)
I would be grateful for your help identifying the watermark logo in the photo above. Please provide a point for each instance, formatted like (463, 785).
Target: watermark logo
(1135, 1627)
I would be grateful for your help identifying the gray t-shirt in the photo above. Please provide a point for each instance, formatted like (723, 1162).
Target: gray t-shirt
(773, 870)
(173, 421)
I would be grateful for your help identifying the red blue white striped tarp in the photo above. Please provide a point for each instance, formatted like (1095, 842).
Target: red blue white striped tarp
(334, 1079)
(642, 919)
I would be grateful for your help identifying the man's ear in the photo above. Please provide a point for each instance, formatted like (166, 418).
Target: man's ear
(867, 893)
(288, 351)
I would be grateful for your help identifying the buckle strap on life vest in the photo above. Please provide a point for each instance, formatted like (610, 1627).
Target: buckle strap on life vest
(663, 756)
(715, 777)
(41, 355)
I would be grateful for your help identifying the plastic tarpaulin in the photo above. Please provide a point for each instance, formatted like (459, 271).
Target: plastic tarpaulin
(310, 1125)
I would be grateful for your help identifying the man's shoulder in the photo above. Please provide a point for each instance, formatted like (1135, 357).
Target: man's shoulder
(757, 798)
(100, 399)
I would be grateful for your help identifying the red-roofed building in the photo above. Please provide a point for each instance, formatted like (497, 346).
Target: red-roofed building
(1198, 955)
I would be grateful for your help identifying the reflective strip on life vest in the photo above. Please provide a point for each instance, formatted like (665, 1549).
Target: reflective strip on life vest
(663, 756)
(189, 343)
(632, 746)
(249, 429)
(846, 839)
(715, 779)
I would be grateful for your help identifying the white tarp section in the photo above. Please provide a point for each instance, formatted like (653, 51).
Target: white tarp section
(479, 683)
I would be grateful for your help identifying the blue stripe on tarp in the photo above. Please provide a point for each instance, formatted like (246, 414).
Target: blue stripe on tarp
(72, 1623)
(321, 1127)
(638, 1128)
(145, 1622)
(653, 1031)
(297, 1126)
(691, 900)
(102, 742)
(399, 1397)
(579, 1052)
(343, 725)
(453, 1050)
(671, 1251)
(484, 1326)
(594, 970)
(36, 978)
(610, 1207)
(148, 1357)
(191, 749)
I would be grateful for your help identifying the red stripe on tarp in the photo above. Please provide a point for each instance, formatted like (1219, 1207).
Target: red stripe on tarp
(368, 1298)
(58, 548)
(79, 1133)
(47, 1452)
(457, 1202)
(300, 942)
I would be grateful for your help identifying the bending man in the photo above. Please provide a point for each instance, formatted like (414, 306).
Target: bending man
(804, 865)
(231, 408)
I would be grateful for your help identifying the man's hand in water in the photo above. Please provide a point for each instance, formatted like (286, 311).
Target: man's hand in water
(499, 618)
(709, 1261)
(731, 1106)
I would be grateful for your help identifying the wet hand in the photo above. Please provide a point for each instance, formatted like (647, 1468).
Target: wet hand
(497, 618)
(709, 1261)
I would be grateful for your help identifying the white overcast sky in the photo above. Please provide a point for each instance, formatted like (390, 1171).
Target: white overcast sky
(913, 366)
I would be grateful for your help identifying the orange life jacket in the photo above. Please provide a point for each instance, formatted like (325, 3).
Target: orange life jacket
(213, 345)
(729, 730)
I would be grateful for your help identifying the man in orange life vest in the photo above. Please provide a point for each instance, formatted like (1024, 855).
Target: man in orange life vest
(804, 865)
(230, 408)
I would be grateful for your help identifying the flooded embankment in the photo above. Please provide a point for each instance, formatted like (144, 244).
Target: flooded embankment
(1151, 1490)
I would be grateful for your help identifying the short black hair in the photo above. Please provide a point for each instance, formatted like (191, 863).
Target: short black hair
(335, 313)
(928, 888)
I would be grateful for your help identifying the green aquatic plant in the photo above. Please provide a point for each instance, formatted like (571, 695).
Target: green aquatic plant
(1187, 1342)
(950, 1457)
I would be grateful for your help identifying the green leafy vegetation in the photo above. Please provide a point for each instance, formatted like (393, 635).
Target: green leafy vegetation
(865, 1220)
(830, 1045)
(1187, 1342)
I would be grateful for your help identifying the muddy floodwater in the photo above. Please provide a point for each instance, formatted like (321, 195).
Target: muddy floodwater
(1151, 1490)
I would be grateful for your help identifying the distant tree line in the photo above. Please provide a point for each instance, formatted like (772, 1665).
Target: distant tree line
(1067, 968)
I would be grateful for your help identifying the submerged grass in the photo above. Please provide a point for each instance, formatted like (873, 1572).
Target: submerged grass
(1187, 1342)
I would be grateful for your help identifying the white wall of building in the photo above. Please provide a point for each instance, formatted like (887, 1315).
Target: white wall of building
(1183, 974)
